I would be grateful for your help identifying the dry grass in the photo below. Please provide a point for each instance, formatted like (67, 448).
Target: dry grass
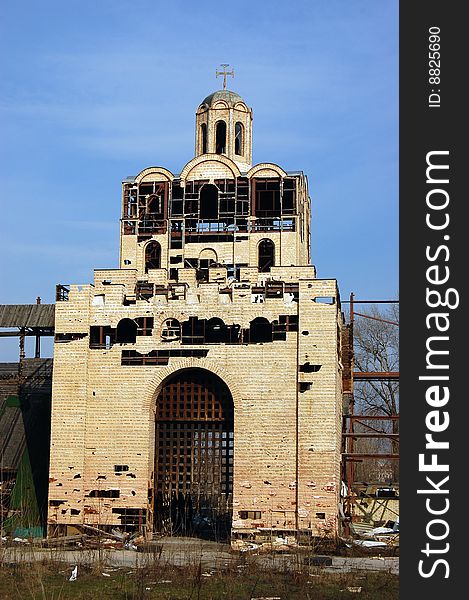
(49, 580)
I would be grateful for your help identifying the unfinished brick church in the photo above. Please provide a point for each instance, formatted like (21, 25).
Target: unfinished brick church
(198, 387)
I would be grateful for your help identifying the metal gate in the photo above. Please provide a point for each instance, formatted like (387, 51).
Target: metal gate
(194, 455)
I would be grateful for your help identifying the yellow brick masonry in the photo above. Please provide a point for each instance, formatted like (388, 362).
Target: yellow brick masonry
(103, 413)
(287, 418)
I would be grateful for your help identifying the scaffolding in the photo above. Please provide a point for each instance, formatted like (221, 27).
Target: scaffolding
(365, 426)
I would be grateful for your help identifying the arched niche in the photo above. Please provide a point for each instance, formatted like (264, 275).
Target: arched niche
(194, 446)
(152, 255)
(266, 255)
(220, 137)
(126, 331)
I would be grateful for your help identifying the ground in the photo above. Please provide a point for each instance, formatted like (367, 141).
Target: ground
(183, 569)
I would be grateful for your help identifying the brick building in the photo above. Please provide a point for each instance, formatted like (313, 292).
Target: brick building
(199, 386)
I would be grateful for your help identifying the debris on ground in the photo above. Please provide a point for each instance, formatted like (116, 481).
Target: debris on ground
(385, 535)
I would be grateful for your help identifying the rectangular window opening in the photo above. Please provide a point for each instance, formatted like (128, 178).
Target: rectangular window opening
(121, 468)
(250, 514)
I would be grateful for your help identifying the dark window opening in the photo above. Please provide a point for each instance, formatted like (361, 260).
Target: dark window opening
(177, 196)
(239, 150)
(152, 256)
(320, 515)
(260, 330)
(102, 337)
(216, 331)
(289, 322)
(220, 137)
(267, 197)
(129, 227)
(292, 289)
(203, 138)
(171, 330)
(235, 270)
(145, 190)
(309, 368)
(144, 326)
(104, 494)
(250, 514)
(227, 206)
(191, 263)
(227, 195)
(61, 293)
(130, 202)
(155, 205)
(202, 271)
(266, 251)
(68, 337)
(159, 358)
(278, 332)
(144, 290)
(209, 202)
(152, 200)
(386, 493)
(289, 197)
(120, 468)
(242, 196)
(208, 238)
(274, 289)
(324, 299)
(213, 331)
(193, 331)
(285, 323)
(176, 234)
(126, 332)
(305, 386)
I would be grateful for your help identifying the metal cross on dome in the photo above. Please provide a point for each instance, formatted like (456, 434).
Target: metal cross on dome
(224, 73)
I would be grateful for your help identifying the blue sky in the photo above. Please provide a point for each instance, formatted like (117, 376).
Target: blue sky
(92, 92)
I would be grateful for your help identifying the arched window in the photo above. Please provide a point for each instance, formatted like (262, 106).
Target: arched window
(216, 331)
(220, 137)
(239, 147)
(171, 330)
(260, 330)
(266, 255)
(209, 202)
(152, 256)
(203, 138)
(206, 258)
(126, 332)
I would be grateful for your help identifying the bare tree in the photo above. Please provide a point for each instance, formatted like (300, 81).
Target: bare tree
(376, 349)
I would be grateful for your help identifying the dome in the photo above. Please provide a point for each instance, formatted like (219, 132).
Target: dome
(231, 98)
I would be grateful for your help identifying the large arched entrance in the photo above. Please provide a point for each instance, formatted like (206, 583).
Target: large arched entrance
(194, 455)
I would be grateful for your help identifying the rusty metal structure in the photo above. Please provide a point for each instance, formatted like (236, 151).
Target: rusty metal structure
(364, 426)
